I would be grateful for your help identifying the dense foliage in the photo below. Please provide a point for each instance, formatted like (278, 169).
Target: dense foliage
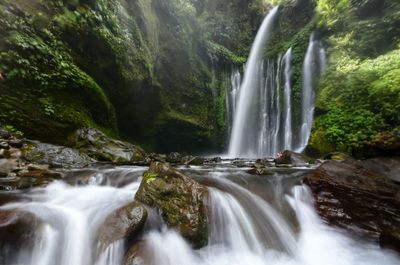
(359, 97)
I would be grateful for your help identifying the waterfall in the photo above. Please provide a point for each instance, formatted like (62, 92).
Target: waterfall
(273, 108)
(287, 108)
(314, 65)
(245, 134)
(232, 88)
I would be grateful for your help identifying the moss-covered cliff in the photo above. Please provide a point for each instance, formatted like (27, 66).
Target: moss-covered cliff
(141, 69)
(358, 106)
(153, 71)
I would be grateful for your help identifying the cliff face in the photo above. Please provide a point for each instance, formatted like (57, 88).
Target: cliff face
(141, 69)
(153, 71)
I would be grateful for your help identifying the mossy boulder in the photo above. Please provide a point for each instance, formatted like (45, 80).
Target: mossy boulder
(103, 148)
(54, 155)
(180, 199)
(126, 222)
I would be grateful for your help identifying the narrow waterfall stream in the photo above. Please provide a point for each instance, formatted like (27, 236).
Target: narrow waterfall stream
(252, 220)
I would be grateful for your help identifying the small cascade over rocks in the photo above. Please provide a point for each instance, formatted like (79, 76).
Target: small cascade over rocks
(252, 220)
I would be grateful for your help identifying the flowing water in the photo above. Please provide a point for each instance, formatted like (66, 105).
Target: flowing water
(232, 88)
(263, 122)
(245, 131)
(315, 63)
(287, 107)
(253, 220)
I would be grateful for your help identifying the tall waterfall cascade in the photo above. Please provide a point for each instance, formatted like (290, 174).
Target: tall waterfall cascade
(245, 131)
(261, 111)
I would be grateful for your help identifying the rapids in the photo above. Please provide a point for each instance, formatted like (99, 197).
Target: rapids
(253, 220)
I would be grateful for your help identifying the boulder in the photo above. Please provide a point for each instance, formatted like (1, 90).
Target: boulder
(54, 155)
(103, 148)
(124, 223)
(37, 176)
(291, 158)
(174, 158)
(353, 197)
(17, 231)
(7, 166)
(136, 255)
(180, 199)
(4, 134)
(193, 161)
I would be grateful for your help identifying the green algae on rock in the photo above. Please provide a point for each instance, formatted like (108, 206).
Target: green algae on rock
(180, 200)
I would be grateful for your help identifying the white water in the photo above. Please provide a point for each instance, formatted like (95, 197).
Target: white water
(273, 131)
(315, 63)
(71, 217)
(287, 108)
(238, 240)
(232, 91)
(263, 123)
(244, 229)
(243, 141)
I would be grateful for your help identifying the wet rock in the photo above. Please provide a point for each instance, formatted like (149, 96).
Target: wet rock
(16, 143)
(174, 158)
(17, 229)
(7, 165)
(54, 155)
(338, 156)
(215, 160)
(262, 163)
(292, 158)
(180, 199)
(261, 167)
(351, 196)
(38, 177)
(260, 171)
(4, 153)
(135, 255)
(193, 161)
(385, 166)
(240, 163)
(4, 134)
(25, 183)
(4, 145)
(33, 167)
(103, 148)
(126, 222)
(156, 158)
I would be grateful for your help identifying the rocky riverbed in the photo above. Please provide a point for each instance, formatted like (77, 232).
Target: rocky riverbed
(359, 197)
